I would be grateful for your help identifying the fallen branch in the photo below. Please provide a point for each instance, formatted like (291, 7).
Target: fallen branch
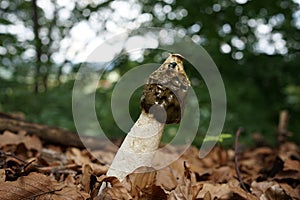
(47, 133)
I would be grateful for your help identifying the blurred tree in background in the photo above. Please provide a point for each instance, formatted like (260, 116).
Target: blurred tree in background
(254, 43)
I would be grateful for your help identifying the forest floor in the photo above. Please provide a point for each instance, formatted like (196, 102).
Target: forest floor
(33, 168)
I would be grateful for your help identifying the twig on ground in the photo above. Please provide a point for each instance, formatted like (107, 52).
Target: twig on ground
(237, 170)
(9, 154)
(282, 131)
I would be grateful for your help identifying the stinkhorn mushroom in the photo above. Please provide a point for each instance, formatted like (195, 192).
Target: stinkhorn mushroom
(162, 103)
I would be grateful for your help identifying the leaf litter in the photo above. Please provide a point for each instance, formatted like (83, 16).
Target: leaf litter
(34, 169)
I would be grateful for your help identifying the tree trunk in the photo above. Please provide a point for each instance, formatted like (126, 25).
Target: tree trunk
(38, 46)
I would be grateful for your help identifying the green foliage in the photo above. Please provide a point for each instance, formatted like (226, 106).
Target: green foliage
(51, 108)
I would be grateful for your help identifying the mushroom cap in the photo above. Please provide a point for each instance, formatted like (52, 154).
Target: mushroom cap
(166, 89)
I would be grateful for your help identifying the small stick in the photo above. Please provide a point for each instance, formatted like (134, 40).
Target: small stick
(237, 170)
(9, 154)
(283, 126)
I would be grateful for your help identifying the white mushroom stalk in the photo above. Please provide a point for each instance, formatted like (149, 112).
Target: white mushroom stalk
(137, 148)
(162, 103)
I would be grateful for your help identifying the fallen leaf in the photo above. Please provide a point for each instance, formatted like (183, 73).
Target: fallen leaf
(39, 186)
(294, 193)
(221, 174)
(30, 142)
(259, 188)
(184, 189)
(77, 156)
(86, 177)
(207, 196)
(291, 165)
(166, 179)
(276, 192)
(114, 190)
(219, 191)
(141, 184)
(242, 193)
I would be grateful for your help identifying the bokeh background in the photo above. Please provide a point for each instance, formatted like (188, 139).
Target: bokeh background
(255, 45)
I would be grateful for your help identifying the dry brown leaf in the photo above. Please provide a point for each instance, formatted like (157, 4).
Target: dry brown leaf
(191, 156)
(177, 169)
(79, 157)
(184, 189)
(9, 138)
(294, 193)
(153, 192)
(276, 192)
(116, 191)
(222, 174)
(70, 193)
(166, 179)
(242, 193)
(30, 186)
(289, 174)
(105, 157)
(207, 196)
(269, 190)
(291, 165)
(219, 191)
(262, 151)
(70, 180)
(141, 183)
(100, 170)
(215, 158)
(288, 149)
(86, 177)
(259, 188)
(38, 186)
(30, 142)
